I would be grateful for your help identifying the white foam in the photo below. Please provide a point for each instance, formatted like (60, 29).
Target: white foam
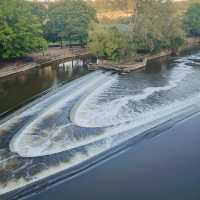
(25, 143)
(46, 146)
(52, 170)
(30, 142)
(45, 102)
(89, 112)
(126, 132)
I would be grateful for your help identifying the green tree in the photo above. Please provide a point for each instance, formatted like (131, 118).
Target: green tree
(107, 42)
(40, 11)
(192, 20)
(20, 31)
(156, 26)
(69, 20)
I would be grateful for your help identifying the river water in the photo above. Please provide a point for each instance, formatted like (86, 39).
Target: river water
(80, 118)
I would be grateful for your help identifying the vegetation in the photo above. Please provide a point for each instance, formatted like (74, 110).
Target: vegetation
(151, 26)
(107, 42)
(20, 30)
(69, 20)
(156, 26)
(192, 20)
(25, 26)
(117, 11)
(41, 12)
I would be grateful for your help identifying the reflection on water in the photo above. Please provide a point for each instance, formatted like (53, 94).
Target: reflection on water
(21, 87)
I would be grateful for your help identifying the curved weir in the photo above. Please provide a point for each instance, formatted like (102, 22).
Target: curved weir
(92, 115)
(96, 108)
(46, 134)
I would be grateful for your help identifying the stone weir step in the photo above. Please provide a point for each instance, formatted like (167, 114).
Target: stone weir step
(119, 67)
(126, 68)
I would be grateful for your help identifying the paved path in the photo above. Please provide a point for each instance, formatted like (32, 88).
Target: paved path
(10, 70)
(53, 55)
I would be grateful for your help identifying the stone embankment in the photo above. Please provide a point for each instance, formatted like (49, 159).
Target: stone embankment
(137, 66)
(53, 55)
(126, 68)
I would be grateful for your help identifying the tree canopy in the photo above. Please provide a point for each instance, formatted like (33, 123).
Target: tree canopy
(108, 42)
(69, 19)
(20, 30)
(40, 11)
(156, 25)
(192, 20)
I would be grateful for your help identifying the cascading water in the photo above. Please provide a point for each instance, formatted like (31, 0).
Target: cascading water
(91, 115)
(96, 109)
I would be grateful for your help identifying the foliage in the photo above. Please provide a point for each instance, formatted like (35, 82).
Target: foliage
(40, 11)
(107, 42)
(20, 30)
(69, 20)
(192, 20)
(110, 5)
(156, 26)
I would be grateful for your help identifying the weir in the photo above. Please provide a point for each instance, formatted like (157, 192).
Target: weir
(92, 115)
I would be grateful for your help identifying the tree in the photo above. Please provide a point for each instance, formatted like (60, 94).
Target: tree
(110, 5)
(192, 20)
(69, 19)
(20, 30)
(40, 11)
(107, 42)
(156, 26)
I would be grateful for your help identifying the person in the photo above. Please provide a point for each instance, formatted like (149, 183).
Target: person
(18, 63)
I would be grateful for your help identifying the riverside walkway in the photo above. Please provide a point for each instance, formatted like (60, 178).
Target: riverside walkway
(37, 60)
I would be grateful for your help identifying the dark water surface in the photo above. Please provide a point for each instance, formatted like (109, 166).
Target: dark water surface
(163, 167)
(18, 89)
(79, 126)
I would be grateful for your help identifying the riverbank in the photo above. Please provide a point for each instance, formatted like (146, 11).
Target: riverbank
(126, 67)
(34, 60)
(56, 54)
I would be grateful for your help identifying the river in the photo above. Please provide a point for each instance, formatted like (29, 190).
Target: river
(61, 118)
